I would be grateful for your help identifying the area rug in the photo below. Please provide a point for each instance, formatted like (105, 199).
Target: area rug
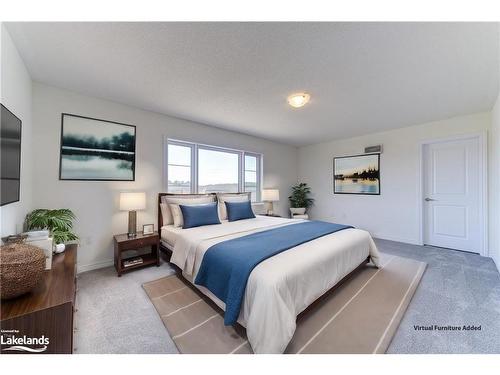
(360, 316)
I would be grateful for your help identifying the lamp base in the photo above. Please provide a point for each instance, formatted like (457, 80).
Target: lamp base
(132, 224)
(270, 211)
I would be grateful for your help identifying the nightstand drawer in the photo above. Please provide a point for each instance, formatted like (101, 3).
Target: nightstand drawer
(138, 243)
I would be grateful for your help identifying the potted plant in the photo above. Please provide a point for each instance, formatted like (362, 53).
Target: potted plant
(300, 200)
(58, 222)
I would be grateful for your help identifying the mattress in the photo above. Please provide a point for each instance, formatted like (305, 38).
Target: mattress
(169, 234)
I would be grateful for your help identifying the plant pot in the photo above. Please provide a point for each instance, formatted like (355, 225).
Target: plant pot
(59, 248)
(298, 211)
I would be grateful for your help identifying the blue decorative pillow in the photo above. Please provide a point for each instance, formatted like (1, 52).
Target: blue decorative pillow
(200, 214)
(239, 210)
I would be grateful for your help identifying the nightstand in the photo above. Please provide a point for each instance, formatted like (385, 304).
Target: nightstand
(135, 245)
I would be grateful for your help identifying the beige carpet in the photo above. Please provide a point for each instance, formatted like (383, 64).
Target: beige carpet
(360, 316)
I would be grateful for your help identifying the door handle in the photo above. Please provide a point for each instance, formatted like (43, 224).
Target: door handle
(429, 199)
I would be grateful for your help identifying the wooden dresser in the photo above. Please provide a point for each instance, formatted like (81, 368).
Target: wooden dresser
(48, 309)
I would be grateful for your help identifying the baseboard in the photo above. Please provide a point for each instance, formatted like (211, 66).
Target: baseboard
(94, 266)
(497, 262)
(395, 238)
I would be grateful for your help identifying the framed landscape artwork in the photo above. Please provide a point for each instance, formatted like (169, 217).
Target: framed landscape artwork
(358, 174)
(98, 150)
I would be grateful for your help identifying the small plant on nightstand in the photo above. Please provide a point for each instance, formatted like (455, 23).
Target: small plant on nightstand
(58, 222)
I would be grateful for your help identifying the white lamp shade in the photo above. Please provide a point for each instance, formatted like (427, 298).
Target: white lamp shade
(132, 201)
(271, 195)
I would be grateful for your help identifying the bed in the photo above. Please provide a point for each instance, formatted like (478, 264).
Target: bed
(280, 287)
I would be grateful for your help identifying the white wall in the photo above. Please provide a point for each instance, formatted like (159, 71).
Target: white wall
(15, 94)
(494, 184)
(96, 202)
(394, 214)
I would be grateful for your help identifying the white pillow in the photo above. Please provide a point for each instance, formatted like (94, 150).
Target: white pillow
(243, 197)
(176, 214)
(166, 212)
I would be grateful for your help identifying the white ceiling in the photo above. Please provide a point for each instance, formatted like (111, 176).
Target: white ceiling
(362, 77)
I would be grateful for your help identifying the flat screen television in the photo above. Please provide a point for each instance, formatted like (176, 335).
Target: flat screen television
(10, 156)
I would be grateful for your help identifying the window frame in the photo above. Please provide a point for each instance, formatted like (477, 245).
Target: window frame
(195, 147)
(167, 164)
(258, 174)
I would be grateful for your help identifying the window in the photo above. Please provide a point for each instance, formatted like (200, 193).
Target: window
(195, 168)
(179, 168)
(218, 171)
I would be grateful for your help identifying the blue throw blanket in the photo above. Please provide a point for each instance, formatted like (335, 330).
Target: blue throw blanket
(226, 266)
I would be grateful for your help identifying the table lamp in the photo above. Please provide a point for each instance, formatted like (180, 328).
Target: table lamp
(132, 202)
(270, 195)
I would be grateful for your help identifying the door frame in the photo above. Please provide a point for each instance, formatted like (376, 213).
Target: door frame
(483, 184)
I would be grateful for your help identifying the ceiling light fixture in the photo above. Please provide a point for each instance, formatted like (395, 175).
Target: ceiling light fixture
(299, 99)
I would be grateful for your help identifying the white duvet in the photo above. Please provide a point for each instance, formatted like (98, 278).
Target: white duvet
(282, 286)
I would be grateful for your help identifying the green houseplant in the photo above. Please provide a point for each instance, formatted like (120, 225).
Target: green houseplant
(58, 222)
(300, 196)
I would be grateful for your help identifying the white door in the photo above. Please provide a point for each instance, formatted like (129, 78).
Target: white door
(452, 210)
